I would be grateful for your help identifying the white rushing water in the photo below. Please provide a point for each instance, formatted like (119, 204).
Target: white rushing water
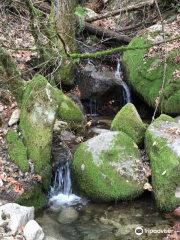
(61, 190)
(118, 75)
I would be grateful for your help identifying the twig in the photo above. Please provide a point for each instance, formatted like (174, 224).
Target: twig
(158, 99)
(119, 11)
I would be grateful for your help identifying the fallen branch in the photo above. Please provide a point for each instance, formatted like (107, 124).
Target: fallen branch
(106, 33)
(119, 11)
(113, 50)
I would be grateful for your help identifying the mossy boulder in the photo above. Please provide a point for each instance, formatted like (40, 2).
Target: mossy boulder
(38, 113)
(162, 142)
(70, 112)
(145, 74)
(17, 150)
(164, 118)
(105, 168)
(128, 121)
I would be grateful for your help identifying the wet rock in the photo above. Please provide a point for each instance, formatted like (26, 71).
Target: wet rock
(67, 136)
(60, 155)
(128, 121)
(110, 167)
(67, 215)
(16, 215)
(98, 84)
(32, 231)
(162, 142)
(14, 117)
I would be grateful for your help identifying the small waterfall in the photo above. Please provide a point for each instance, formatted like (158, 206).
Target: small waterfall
(61, 190)
(118, 75)
(93, 107)
(127, 95)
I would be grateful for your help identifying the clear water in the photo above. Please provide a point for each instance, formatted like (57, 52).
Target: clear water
(100, 221)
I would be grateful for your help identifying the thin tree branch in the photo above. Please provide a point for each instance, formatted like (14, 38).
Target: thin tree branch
(119, 11)
(109, 51)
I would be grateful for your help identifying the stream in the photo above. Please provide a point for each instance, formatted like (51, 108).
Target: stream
(69, 217)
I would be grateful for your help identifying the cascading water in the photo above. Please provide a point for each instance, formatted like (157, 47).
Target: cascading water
(61, 189)
(118, 75)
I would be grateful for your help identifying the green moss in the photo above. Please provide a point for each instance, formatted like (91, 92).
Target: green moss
(164, 118)
(36, 127)
(17, 150)
(35, 197)
(102, 182)
(128, 121)
(70, 112)
(163, 160)
(146, 76)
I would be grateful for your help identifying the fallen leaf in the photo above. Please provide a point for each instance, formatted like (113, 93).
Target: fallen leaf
(38, 177)
(148, 187)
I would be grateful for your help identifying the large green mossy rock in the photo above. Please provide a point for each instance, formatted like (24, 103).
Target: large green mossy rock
(38, 113)
(105, 168)
(162, 142)
(70, 112)
(17, 150)
(145, 75)
(128, 121)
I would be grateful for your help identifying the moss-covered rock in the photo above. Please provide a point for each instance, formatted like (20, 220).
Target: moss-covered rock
(70, 112)
(164, 118)
(38, 113)
(35, 197)
(145, 75)
(17, 150)
(162, 143)
(105, 168)
(128, 121)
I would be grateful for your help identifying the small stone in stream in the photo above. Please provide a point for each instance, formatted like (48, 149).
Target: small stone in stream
(14, 117)
(67, 136)
(67, 215)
